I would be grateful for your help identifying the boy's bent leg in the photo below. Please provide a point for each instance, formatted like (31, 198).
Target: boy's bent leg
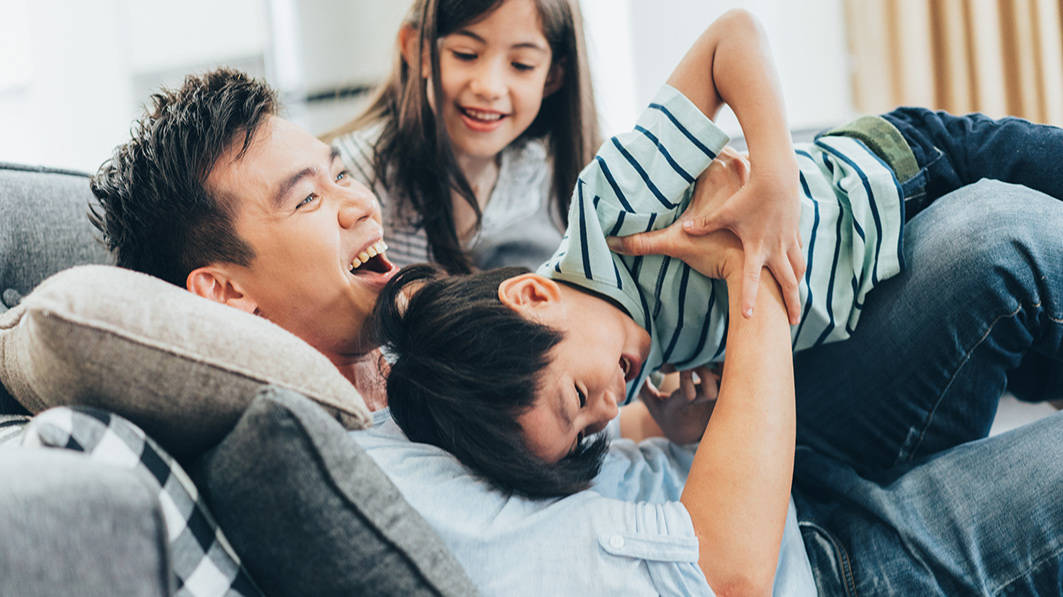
(984, 518)
(953, 151)
(934, 348)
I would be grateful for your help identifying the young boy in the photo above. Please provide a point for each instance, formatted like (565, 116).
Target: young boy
(510, 371)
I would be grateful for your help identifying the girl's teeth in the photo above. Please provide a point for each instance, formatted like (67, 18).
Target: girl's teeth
(363, 256)
(356, 263)
(371, 251)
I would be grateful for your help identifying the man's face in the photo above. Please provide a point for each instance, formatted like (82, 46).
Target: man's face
(316, 234)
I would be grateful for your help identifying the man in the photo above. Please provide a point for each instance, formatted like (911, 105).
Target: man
(217, 194)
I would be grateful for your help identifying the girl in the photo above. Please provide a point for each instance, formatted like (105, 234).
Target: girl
(474, 142)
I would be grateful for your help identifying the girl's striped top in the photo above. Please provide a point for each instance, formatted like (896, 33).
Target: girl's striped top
(852, 216)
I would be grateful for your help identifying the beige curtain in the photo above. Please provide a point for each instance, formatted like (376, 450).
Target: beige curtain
(1000, 57)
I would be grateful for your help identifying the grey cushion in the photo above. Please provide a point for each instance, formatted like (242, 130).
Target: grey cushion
(311, 514)
(45, 229)
(181, 367)
(110, 541)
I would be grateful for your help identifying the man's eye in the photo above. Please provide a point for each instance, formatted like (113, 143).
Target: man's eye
(523, 67)
(582, 397)
(306, 200)
(464, 56)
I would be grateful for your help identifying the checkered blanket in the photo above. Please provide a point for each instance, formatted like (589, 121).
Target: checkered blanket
(204, 564)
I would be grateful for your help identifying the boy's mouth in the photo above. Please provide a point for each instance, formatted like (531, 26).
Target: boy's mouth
(629, 366)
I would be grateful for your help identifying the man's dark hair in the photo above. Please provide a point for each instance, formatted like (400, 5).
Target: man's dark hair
(152, 203)
(466, 367)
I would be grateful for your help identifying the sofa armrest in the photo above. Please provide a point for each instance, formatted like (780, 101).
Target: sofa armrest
(74, 526)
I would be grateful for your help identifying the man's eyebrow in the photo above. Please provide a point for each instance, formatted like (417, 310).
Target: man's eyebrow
(291, 181)
(521, 45)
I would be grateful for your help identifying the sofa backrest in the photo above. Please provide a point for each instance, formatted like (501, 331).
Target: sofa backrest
(44, 229)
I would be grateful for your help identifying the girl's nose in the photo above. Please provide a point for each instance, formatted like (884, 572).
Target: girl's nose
(488, 83)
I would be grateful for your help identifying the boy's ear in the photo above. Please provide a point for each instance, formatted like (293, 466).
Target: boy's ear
(408, 41)
(212, 282)
(554, 78)
(529, 294)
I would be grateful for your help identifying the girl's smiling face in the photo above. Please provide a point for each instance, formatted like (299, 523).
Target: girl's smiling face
(494, 74)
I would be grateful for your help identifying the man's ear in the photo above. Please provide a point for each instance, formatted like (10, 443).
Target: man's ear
(554, 79)
(212, 282)
(530, 294)
(409, 38)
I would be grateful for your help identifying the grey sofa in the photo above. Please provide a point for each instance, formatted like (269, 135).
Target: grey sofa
(316, 516)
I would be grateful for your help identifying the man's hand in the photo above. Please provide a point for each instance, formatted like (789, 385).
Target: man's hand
(683, 414)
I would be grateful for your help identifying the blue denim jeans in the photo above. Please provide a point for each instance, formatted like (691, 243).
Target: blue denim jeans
(897, 490)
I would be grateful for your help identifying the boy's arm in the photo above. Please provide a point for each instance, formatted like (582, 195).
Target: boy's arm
(731, 63)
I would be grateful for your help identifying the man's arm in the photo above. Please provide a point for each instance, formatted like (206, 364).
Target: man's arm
(739, 484)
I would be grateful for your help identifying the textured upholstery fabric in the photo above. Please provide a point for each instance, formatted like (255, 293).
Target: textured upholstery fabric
(203, 563)
(110, 540)
(181, 367)
(44, 229)
(311, 514)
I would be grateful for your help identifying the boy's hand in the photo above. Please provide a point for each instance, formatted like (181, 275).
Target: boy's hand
(716, 254)
(764, 214)
(683, 414)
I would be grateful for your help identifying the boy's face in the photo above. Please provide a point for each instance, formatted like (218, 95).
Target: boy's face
(308, 222)
(602, 348)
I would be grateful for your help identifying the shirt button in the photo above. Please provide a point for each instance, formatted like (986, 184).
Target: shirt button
(616, 541)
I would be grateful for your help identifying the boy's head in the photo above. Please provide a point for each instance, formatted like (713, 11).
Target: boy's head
(217, 194)
(509, 371)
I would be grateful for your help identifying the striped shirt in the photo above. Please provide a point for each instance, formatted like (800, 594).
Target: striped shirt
(520, 225)
(851, 222)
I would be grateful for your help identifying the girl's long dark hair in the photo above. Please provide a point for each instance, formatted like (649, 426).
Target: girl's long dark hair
(413, 157)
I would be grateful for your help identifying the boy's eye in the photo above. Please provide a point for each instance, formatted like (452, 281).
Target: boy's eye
(464, 56)
(582, 398)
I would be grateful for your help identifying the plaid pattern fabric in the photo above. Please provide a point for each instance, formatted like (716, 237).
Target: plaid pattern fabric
(11, 428)
(204, 564)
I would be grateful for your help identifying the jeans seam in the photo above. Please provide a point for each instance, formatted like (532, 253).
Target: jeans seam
(1025, 573)
(910, 452)
(848, 579)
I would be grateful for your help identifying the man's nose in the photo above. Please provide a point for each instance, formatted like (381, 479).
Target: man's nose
(355, 206)
(607, 406)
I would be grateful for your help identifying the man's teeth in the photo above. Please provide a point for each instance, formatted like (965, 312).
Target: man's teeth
(377, 248)
(482, 115)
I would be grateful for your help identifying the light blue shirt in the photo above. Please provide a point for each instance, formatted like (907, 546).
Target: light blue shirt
(851, 223)
(628, 535)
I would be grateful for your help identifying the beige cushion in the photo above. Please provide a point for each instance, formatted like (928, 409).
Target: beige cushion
(181, 367)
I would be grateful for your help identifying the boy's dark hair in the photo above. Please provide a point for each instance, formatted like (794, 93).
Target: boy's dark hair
(413, 156)
(467, 366)
(152, 204)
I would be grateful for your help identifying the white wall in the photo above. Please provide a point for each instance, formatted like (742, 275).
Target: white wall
(73, 74)
(634, 44)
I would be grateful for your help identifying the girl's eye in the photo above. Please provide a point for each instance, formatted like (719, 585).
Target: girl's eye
(306, 200)
(523, 67)
(464, 56)
(344, 174)
(582, 397)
